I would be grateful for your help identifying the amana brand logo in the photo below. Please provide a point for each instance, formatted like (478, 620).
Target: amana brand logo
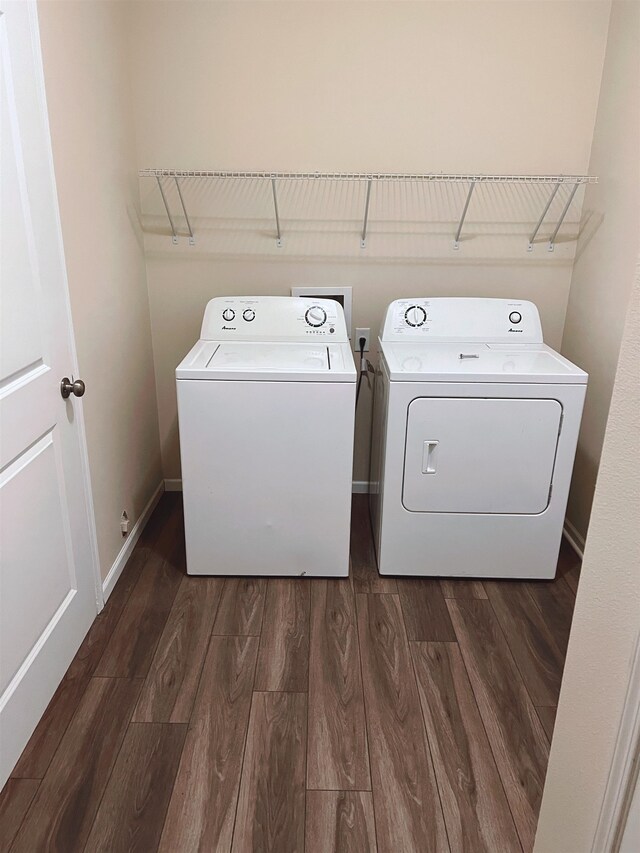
(230, 328)
(511, 330)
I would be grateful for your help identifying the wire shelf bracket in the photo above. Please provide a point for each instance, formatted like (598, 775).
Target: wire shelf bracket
(575, 181)
(552, 239)
(365, 222)
(542, 216)
(174, 234)
(456, 239)
(172, 225)
(277, 215)
(192, 239)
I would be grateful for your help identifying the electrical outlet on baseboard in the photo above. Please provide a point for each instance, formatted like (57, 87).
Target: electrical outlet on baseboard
(124, 523)
(362, 333)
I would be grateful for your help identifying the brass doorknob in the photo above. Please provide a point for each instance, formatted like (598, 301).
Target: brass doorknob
(68, 388)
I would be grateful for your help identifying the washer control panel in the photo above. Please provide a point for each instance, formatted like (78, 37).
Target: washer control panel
(462, 319)
(273, 318)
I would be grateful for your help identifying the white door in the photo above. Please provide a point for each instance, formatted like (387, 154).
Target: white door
(480, 455)
(48, 590)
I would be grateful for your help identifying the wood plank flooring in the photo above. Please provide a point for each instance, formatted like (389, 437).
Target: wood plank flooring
(406, 803)
(518, 741)
(532, 645)
(283, 660)
(226, 715)
(172, 681)
(337, 752)
(473, 801)
(136, 798)
(340, 822)
(271, 805)
(203, 804)
(15, 799)
(424, 610)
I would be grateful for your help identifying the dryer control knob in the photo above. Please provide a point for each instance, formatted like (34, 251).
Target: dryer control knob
(515, 317)
(249, 314)
(415, 315)
(228, 314)
(315, 316)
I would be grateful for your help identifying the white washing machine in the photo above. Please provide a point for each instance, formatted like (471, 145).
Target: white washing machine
(475, 429)
(266, 405)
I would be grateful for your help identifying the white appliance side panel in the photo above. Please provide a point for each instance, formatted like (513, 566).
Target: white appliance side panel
(266, 470)
(480, 455)
(378, 441)
(473, 545)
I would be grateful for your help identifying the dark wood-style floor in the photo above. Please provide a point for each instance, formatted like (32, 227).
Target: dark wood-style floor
(249, 714)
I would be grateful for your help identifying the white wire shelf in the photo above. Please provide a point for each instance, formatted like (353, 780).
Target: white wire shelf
(374, 176)
(176, 176)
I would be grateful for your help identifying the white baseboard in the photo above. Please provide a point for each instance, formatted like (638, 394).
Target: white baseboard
(125, 552)
(574, 538)
(359, 487)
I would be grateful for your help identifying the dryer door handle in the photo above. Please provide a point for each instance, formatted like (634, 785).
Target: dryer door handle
(429, 457)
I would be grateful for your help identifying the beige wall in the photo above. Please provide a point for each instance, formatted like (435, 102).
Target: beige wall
(389, 86)
(606, 624)
(89, 104)
(455, 86)
(607, 248)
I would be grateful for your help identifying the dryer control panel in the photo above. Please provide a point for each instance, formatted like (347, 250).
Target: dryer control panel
(463, 319)
(273, 318)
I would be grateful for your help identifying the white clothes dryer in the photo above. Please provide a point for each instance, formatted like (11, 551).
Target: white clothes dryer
(475, 429)
(266, 406)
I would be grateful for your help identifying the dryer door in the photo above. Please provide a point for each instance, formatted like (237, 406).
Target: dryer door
(480, 455)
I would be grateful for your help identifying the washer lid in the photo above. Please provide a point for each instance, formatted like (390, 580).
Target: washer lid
(474, 362)
(242, 360)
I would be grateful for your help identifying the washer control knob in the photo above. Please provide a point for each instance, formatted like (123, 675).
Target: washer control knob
(249, 314)
(415, 315)
(515, 317)
(228, 314)
(315, 316)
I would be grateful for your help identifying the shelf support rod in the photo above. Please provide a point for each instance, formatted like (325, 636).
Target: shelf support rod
(456, 241)
(174, 235)
(542, 216)
(363, 237)
(275, 208)
(562, 216)
(192, 239)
